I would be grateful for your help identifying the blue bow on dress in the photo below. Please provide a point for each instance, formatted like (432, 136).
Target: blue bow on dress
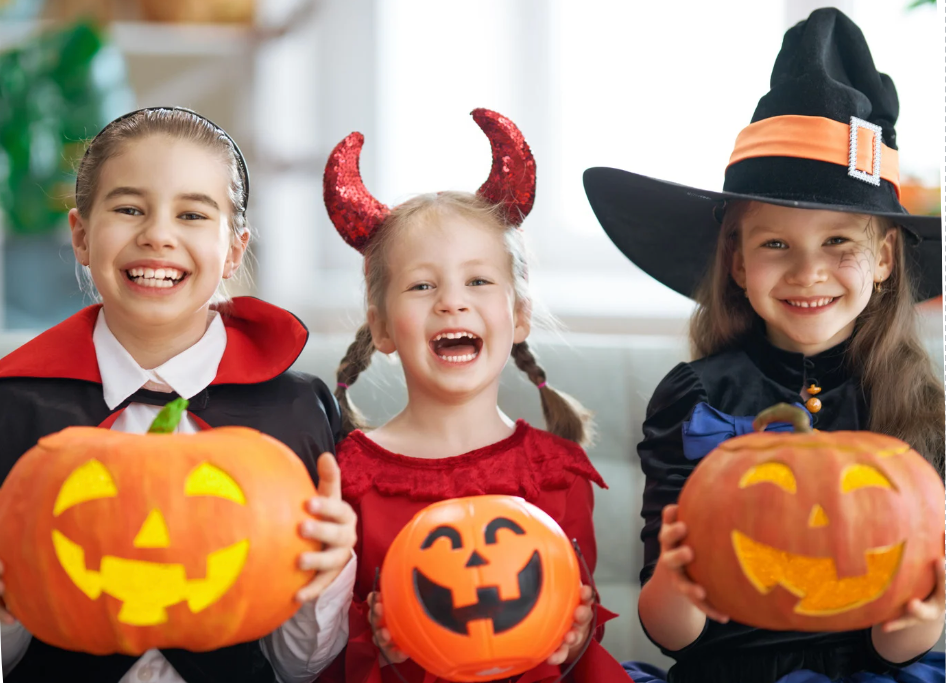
(708, 427)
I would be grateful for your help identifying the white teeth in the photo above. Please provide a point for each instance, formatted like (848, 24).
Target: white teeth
(141, 275)
(817, 303)
(459, 359)
(455, 335)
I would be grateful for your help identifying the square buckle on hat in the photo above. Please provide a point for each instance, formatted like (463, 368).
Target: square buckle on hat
(872, 178)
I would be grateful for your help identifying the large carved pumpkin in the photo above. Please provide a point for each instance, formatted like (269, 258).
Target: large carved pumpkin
(480, 588)
(816, 531)
(115, 542)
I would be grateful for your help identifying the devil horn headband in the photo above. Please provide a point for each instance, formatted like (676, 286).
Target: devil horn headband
(356, 214)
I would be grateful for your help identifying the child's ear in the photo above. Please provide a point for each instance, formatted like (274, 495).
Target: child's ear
(236, 253)
(523, 322)
(884, 265)
(738, 268)
(379, 331)
(80, 237)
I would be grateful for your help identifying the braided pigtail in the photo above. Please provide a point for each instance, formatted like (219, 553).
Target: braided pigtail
(356, 360)
(564, 415)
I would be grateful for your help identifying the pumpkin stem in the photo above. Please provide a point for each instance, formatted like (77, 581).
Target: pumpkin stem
(783, 412)
(169, 417)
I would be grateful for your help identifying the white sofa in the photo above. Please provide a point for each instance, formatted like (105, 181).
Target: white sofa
(611, 374)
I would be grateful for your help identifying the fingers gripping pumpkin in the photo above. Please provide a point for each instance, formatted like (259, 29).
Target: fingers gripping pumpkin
(115, 542)
(480, 588)
(813, 531)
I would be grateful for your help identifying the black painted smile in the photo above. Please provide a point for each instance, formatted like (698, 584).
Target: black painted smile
(437, 601)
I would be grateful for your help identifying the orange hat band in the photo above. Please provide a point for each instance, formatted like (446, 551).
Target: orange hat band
(857, 145)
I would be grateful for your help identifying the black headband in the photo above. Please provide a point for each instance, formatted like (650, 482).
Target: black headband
(236, 148)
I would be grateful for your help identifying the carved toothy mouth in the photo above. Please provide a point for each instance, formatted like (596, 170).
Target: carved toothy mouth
(815, 579)
(437, 601)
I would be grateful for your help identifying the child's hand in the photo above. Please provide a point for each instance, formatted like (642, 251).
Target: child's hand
(334, 527)
(917, 610)
(674, 556)
(5, 616)
(579, 632)
(382, 637)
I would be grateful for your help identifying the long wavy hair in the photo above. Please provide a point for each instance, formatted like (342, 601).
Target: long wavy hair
(905, 397)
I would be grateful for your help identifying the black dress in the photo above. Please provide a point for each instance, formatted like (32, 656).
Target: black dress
(743, 382)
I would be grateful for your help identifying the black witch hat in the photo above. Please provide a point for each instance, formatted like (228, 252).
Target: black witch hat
(822, 138)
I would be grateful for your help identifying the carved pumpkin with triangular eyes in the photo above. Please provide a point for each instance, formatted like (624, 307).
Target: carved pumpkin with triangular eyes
(480, 588)
(821, 531)
(115, 542)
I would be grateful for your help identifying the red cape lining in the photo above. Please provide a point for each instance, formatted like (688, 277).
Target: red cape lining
(263, 341)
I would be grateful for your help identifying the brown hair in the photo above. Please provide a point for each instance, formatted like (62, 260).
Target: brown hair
(905, 398)
(564, 416)
(174, 123)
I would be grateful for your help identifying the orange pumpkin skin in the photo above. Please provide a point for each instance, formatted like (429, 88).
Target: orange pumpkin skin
(143, 527)
(854, 541)
(467, 552)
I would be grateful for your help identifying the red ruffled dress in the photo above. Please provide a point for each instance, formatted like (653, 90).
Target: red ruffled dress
(387, 490)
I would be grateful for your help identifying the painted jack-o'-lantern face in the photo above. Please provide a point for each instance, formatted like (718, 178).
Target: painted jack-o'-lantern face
(147, 588)
(813, 531)
(116, 542)
(478, 588)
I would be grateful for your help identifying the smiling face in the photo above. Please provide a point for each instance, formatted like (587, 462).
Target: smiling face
(827, 531)
(809, 274)
(450, 307)
(157, 239)
(481, 587)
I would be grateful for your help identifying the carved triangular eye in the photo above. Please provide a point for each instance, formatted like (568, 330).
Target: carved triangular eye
(776, 473)
(860, 476)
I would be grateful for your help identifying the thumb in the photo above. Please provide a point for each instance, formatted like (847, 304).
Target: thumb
(330, 477)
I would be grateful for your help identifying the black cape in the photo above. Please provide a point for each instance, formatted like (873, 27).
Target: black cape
(53, 382)
(743, 382)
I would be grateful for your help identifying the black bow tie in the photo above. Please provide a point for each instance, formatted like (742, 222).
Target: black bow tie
(162, 398)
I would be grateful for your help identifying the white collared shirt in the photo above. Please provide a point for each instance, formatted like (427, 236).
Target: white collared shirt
(302, 646)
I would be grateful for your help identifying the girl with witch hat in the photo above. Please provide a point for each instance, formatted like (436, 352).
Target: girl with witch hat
(161, 198)
(447, 289)
(805, 270)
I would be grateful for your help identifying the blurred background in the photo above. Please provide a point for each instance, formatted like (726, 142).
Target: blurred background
(658, 87)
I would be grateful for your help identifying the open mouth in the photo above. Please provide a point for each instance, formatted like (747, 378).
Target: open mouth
(437, 601)
(159, 278)
(459, 346)
(814, 580)
(811, 303)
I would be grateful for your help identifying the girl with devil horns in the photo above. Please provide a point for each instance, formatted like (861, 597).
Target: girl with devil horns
(805, 270)
(447, 290)
(161, 197)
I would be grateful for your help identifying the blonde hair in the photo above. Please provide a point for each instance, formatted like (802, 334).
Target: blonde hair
(174, 123)
(905, 398)
(564, 416)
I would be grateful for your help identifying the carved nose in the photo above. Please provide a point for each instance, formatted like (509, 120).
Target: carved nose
(818, 517)
(476, 560)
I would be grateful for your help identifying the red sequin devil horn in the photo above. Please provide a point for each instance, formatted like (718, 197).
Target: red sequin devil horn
(355, 213)
(511, 181)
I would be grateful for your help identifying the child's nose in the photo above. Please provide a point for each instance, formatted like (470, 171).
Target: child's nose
(452, 300)
(156, 232)
(808, 270)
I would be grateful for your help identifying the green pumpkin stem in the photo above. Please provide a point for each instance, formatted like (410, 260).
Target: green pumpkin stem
(169, 417)
(783, 412)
